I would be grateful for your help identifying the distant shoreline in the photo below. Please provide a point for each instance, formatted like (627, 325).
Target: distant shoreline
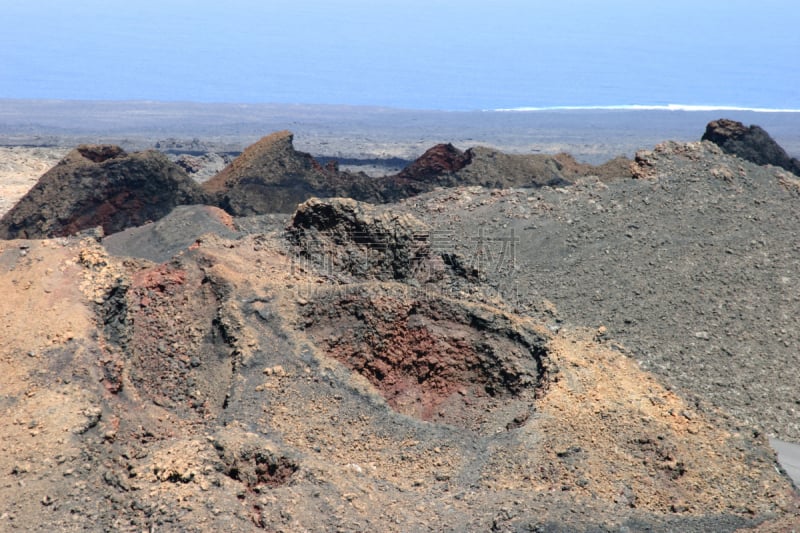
(592, 135)
(646, 107)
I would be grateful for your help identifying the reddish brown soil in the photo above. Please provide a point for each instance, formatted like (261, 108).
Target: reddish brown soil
(433, 360)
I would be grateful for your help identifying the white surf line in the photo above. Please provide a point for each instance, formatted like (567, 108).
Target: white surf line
(640, 107)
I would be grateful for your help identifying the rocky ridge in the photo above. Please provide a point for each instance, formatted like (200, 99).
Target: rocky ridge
(101, 185)
(271, 176)
(692, 267)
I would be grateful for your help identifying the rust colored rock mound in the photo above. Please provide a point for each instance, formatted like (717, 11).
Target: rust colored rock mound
(266, 160)
(99, 185)
(439, 160)
(752, 143)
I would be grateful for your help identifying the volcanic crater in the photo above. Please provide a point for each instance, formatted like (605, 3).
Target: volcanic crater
(432, 358)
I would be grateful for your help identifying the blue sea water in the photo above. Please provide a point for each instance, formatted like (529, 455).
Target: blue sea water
(430, 54)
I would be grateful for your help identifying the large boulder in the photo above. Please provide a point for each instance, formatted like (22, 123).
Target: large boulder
(100, 185)
(752, 143)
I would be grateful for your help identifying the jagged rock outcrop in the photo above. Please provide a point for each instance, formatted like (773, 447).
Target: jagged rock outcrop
(100, 185)
(752, 143)
(368, 242)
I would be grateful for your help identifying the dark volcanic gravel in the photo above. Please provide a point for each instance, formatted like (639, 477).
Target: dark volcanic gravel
(694, 269)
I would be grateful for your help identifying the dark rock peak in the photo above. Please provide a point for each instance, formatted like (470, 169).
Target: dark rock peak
(438, 160)
(270, 176)
(98, 153)
(752, 143)
(270, 159)
(717, 131)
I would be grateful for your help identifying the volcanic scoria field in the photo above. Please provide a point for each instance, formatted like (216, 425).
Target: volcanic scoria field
(480, 342)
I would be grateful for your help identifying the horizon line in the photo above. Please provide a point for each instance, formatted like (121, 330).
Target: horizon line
(520, 109)
(646, 107)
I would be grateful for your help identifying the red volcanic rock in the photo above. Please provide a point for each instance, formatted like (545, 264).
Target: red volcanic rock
(432, 358)
(441, 159)
(100, 185)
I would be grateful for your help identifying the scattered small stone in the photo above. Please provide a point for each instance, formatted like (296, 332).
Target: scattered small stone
(276, 370)
(93, 415)
(22, 468)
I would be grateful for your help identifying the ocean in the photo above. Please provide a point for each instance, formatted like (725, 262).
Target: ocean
(439, 55)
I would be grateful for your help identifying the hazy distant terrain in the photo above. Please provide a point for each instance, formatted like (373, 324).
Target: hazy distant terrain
(367, 132)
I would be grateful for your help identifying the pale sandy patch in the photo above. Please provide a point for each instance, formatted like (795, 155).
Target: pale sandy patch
(20, 169)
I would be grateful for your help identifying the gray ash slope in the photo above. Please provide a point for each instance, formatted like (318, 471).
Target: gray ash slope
(693, 268)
